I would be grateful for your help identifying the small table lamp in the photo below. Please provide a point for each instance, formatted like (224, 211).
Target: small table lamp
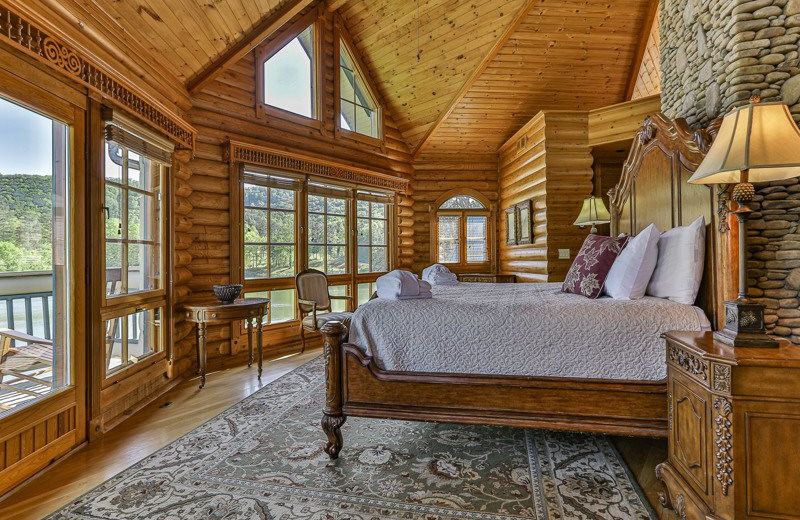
(592, 213)
(758, 142)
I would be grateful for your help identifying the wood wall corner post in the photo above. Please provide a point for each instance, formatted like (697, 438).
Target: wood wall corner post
(333, 416)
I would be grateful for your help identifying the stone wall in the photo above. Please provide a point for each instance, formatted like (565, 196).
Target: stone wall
(773, 242)
(714, 55)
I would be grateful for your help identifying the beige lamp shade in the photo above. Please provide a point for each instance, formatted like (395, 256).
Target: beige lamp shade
(593, 212)
(761, 138)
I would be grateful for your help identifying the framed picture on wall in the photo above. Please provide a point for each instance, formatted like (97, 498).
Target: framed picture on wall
(511, 226)
(524, 222)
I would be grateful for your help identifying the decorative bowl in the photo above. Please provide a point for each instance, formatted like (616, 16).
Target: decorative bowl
(227, 293)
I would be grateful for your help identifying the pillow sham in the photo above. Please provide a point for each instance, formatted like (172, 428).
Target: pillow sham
(628, 277)
(679, 269)
(588, 272)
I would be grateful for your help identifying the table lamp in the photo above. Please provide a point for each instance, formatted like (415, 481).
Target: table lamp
(758, 142)
(592, 213)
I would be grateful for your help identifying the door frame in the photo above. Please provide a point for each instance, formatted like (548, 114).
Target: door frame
(55, 425)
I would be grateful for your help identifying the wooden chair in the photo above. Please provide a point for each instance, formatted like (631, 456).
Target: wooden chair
(313, 298)
(35, 353)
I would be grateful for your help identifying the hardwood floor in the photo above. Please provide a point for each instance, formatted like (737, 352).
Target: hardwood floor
(184, 408)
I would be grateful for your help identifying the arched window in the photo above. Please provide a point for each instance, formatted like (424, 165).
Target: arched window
(461, 227)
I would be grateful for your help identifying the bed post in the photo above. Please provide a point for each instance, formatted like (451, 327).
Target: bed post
(333, 418)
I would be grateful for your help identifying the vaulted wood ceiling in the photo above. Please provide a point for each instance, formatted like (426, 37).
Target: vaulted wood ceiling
(566, 54)
(458, 76)
(422, 53)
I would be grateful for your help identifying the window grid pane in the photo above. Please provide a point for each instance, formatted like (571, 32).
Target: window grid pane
(133, 223)
(282, 305)
(270, 232)
(371, 232)
(476, 239)
(449, 239)
(327, 234)
(359, 112)
(289, 76)
(133, 337)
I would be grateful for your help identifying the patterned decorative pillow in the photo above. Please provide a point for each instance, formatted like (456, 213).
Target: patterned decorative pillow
(590, 268)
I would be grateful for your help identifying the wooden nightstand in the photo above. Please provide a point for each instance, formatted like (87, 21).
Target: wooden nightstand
(734, 430)
(487, 278)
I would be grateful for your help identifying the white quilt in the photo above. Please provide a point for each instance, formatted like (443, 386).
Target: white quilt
(521, 329)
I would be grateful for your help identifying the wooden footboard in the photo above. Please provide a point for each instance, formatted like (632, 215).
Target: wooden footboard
(357, 387)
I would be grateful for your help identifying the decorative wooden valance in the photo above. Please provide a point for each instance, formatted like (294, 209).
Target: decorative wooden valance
(236, 151)
(24, 35)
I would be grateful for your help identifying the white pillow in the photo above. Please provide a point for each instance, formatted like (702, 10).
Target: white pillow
(628, 277)
(679, 270)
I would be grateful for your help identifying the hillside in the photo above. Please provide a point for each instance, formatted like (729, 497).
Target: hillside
(25, 222)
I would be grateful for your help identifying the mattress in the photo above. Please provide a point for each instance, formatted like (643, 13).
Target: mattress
(524, 329)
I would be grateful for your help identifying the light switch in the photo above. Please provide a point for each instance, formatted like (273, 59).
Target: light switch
(563, 254)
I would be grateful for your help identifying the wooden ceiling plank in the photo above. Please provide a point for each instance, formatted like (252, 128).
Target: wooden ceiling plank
(518, 19)
(181, 44)
(334, 5)
(112, 29)
(262, 30)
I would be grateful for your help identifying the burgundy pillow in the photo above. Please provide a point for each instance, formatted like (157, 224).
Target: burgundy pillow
(590, 268)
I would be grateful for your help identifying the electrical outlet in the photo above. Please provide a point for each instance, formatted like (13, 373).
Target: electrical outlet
(563, 254)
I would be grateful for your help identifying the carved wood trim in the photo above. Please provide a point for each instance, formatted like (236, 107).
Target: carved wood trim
(721, 377)
(23, 35)
(672, 137)
(722, 439)
(696, 367)
(236, 151)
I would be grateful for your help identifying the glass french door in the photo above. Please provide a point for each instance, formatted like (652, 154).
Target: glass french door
(42, 291)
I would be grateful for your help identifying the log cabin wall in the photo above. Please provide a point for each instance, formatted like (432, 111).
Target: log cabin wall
(620, 122)
(226, 109)
(549, 162)
(436, 174)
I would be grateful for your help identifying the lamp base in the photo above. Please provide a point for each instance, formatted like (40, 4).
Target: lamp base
(744, 326)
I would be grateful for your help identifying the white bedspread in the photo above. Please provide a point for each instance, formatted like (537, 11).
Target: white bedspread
(521, 329)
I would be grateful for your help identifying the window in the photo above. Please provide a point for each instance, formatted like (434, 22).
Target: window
(136, 169)
(372, 223)
(327, 229)
(288, 78)
(282, 304)
(270, 232)
(358, 110)
(365, 291)
(35, 209)
(461, 232)
(292, 222)
(134, 231)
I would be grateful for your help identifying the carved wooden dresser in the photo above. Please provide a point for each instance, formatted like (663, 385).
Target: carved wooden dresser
(734, 430)
(487, 278)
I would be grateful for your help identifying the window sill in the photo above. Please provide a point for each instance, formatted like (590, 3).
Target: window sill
(268, 112)
(146, 363)
(377, 142)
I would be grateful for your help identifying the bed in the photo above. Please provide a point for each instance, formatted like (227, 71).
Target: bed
(460, 356)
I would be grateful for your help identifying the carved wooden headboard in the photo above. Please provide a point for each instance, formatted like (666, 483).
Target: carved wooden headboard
(653, 188)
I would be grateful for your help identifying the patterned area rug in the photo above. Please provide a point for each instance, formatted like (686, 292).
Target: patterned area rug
(263, 459)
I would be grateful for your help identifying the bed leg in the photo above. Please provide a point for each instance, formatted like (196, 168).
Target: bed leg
(333, 418)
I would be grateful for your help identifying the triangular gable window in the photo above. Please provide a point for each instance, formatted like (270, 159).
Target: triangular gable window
(289, 82)
(359, 111)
